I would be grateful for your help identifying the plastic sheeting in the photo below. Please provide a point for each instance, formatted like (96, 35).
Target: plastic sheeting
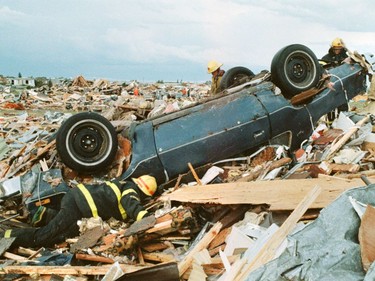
(327, 249)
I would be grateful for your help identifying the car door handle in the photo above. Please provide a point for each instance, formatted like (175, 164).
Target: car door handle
(258, 134)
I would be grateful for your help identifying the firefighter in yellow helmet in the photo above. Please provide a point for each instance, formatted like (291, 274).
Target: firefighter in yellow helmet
(213, 67)
(336, 53)
(121, 200)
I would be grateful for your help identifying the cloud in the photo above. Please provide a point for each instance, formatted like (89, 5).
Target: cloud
(168, 34)
(10, 16)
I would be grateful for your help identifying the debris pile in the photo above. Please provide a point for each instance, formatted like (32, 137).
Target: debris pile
(237, 219)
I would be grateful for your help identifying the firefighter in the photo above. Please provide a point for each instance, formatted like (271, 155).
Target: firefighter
(213, 67)
(121, 200)
(336, 53)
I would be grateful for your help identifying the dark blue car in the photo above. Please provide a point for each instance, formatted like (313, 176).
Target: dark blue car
(281, 106)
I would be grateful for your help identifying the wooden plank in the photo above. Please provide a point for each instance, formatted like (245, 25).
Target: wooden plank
(344, 168)
(269, 249)
(335, 147)
(194, 174)
(366, 237)
(165, 225)
(367, 173)
(65, 270)
(158, 257)
(202, 244)
(87, 257)
(281, 195)
(153, 247)
(214, 251)
(140, 256)
(28, 252)
(220, 238)
(15, 257)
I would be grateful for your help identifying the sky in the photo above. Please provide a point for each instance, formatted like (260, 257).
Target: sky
(170, 40)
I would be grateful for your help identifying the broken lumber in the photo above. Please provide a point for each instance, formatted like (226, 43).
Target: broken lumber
(220, 238)
(366, 237)
(335, 147)
(140, 256)
(15, 257)
(30, 253)
(87, 257)
(66, 270)
(344, 168)
(281, 195)
(368, 173)
(269, 249)
(194, 174)
(158, 257)
(202, 244)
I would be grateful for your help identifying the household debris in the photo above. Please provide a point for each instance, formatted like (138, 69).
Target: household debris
(201, 227)
(329, 248)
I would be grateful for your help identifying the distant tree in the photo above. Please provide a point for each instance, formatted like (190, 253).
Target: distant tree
(49, 83)
(39, 82)
(19, 75)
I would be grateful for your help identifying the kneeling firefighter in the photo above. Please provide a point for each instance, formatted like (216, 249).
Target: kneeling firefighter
(121, 200)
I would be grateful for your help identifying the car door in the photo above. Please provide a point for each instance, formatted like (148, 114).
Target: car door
(215, 130)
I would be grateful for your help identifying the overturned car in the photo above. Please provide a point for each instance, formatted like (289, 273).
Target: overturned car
(277, 107)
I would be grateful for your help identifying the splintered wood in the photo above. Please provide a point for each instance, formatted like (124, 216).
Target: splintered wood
(268, 251)
(286, 194)
(202, 244)
(366, 237)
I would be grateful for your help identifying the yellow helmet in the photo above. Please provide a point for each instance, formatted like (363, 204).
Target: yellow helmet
(147, 184)
(213, 65)
(338, 42)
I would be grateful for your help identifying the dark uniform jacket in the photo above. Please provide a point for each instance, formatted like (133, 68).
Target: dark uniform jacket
(334, 59)
(215, 83)
(120, 200)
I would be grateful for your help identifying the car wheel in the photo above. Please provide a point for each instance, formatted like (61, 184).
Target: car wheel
(87, 142)
(235, 76)
(295, 69)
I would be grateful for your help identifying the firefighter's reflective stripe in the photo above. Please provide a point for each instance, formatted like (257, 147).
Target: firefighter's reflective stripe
(89, 200)
(8, 233)
(117, 191)
(134, 197)
(126, 192)
(141, 214)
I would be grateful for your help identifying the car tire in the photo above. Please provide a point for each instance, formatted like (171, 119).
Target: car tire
(235, 76)
(87, 142)
(295, 69)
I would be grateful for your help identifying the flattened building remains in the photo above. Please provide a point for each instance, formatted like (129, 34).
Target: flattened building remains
(275, 211)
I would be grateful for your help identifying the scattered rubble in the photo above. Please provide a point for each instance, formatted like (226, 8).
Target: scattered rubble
(238, 219)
